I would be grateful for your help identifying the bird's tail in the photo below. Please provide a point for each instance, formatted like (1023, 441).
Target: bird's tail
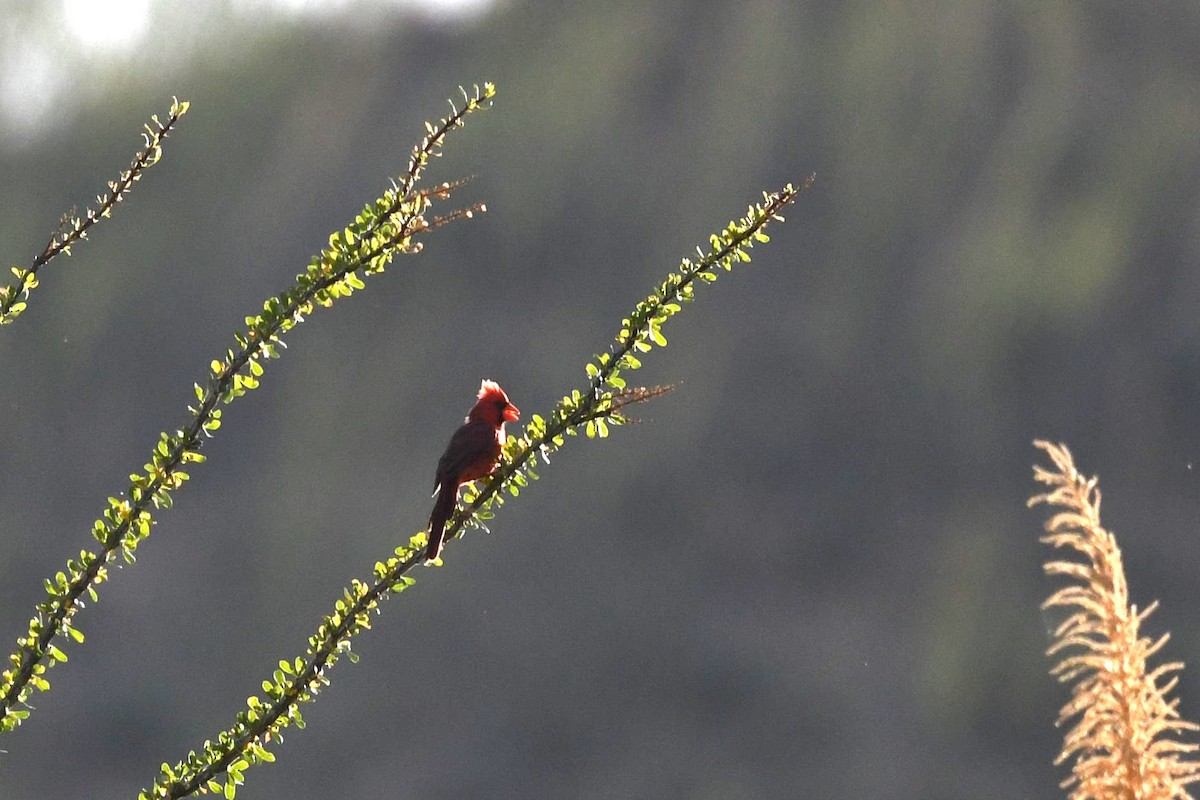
(443, 506)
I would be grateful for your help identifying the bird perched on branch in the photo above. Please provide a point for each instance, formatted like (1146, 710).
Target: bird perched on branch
(472, 454)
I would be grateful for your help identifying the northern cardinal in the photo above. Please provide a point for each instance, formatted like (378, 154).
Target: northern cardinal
(472, 454)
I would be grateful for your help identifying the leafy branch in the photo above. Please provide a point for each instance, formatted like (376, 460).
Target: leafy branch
(384, 228)
(220, 766)
(73, 229)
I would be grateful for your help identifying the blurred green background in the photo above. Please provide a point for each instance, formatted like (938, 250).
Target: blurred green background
(810, 572)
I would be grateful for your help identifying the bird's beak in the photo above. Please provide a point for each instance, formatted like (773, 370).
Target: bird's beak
(511, 413)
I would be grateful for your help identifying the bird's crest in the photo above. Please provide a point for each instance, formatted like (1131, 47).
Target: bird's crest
(491, 388)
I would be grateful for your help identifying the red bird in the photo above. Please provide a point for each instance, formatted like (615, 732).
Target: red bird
(472, 454)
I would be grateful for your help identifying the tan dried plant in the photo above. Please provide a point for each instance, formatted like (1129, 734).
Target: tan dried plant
(1124, 738)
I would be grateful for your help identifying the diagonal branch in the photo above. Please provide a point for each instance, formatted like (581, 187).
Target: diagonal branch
(72, 229)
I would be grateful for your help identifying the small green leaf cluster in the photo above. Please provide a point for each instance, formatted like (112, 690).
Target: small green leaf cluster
(13, 297)
(383, 228)
(72, 228)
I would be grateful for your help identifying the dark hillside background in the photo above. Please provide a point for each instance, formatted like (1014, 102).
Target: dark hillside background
(808, 573)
